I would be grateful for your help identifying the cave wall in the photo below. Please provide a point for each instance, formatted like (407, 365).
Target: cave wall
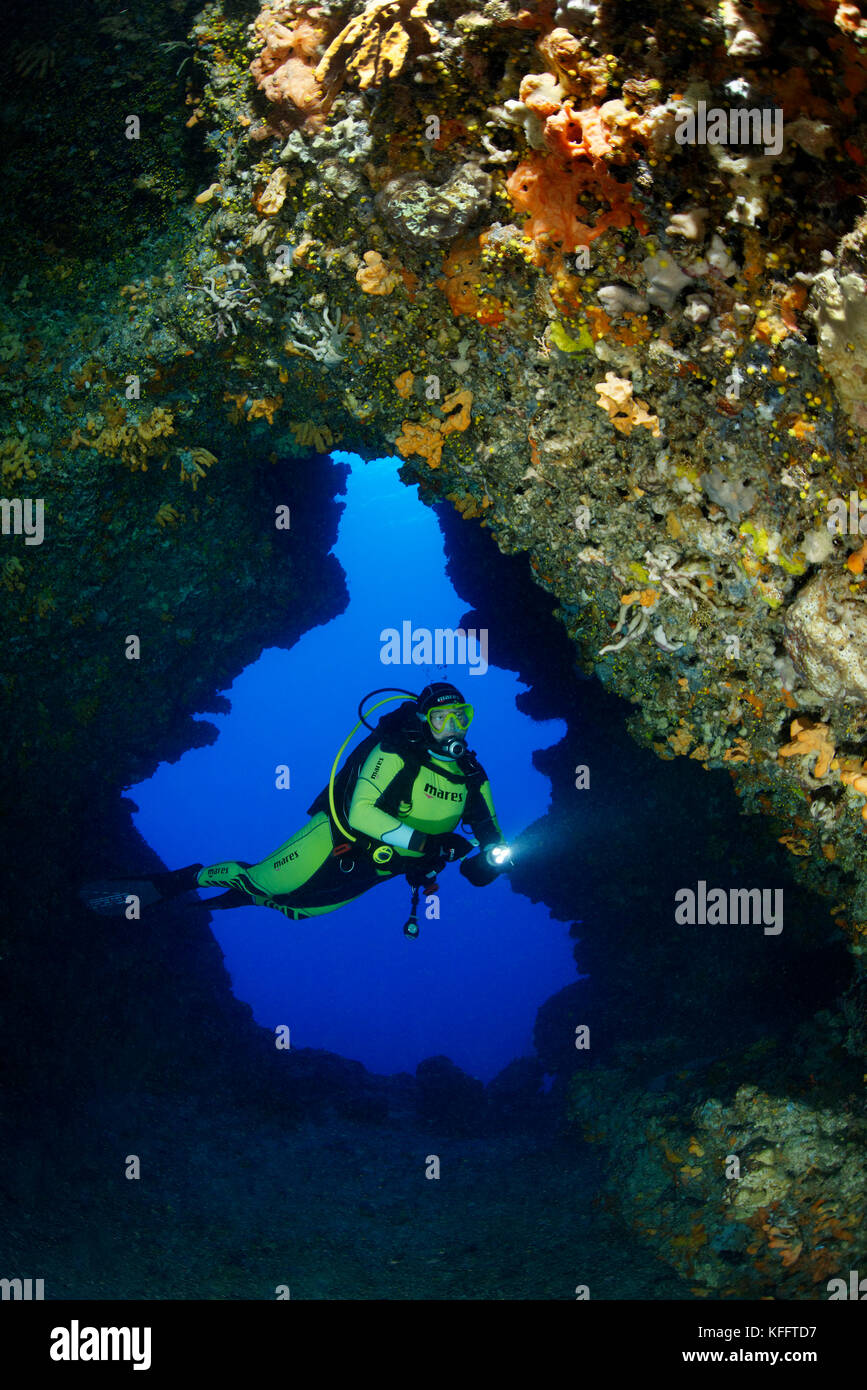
(512, 244)
(238, 237)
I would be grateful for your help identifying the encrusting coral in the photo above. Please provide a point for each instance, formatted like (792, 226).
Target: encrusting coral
(375, 277)
(616, 399)
(810, 736)
(548, 188)
(312, 436)
(377, 44)
(133, 443)
(426, 437)
(284, 70)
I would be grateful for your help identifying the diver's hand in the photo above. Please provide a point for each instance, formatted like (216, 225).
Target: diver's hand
(421, 873)
(484, 867)
(499, 856)
(451, 847)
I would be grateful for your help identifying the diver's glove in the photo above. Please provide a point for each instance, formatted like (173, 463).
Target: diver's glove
(449, 847)
(483, 868)
(422, 873)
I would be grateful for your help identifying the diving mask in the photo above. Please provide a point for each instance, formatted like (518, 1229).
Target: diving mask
(454, 719)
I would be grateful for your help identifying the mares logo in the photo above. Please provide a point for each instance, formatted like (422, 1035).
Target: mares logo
(431, 790)
(278, 863)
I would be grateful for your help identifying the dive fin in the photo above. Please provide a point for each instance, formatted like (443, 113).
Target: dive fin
(109, 897)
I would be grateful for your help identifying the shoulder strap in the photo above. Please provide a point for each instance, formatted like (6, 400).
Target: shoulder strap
(472, 773)
(399, 790)
(396, 733)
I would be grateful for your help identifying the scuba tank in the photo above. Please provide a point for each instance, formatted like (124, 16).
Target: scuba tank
(336, 796)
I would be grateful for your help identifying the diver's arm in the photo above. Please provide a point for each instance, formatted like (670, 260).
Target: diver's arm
(378, 771)
(482, 818)
(494, 855)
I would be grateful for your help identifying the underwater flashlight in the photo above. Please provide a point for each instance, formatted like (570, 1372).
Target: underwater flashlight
(498, 855)
(482, 869)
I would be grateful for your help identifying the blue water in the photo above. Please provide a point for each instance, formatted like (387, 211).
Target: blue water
(349, 981)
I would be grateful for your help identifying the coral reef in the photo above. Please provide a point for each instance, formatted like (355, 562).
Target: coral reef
(597, 230)
(598, 273)
(746, 1194)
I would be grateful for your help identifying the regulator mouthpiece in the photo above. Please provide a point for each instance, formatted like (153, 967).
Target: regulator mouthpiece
(451, 748)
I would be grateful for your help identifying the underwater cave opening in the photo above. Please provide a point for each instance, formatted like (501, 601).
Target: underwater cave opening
(350, 981)
(613, 847)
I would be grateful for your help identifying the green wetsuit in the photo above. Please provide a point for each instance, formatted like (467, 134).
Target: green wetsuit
(315, 872)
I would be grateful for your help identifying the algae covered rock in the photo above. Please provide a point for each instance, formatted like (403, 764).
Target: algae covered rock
(826, 636)
(840, 312)
(424, 214)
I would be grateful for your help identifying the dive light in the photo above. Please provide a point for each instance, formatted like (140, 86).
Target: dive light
(498, 855)
(483, 868)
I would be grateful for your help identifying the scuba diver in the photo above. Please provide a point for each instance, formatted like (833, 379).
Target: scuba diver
(393, 809)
